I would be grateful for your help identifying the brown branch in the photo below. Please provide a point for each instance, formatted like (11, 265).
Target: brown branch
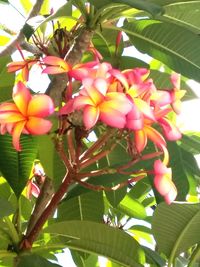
(97, 145)
(113, 188)
(83, 175)
(11, 46)
(30, 48)
(45, 196)
(71, 147)
(28, 240)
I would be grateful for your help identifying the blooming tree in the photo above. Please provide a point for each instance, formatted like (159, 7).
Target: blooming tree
(102, 146)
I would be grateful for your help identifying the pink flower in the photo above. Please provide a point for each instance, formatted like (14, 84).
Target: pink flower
(98, 104)
(163, 181)
(26, 114)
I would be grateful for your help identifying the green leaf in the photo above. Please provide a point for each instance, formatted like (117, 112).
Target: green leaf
(153, 257)
(100, 239)
(179, 173)
(151, 8)
(88, 206)
(178, 49)
(191, 143)
(4, 40)
(26, 4)
(4, 2)
(185, 14)
(48, 156)
(34, 260)
(6, 208)
(139, 4)
(126, 62)
(132, 207)
(115, 196)
(176, 227)
(28, 31)
(6, 79)
(141, 232)
(16, 166)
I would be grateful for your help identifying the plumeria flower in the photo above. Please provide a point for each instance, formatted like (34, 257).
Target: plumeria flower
(98, 104)
(56, 65)
(23, 65)
(173, 97)
(163, 181)
(26, 114)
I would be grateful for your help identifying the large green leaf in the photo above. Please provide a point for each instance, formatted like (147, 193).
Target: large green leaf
(16, 166)
(173, 45)
(151, 8)
(139, 4)
(100, 239)
(176, 227)
(184, 14)
(88, 206)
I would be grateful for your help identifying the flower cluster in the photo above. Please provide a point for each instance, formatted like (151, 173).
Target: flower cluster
(127, 100)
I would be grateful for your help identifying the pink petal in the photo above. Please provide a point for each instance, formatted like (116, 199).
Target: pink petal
(56, 61)
(81, 101)
(25, 73)
(134, 119)
(37, 126)
(155, 136)
(67, 108)
(171, 196)
(176, 80)
(140, 140)
(95, 95)
(11, 116)
(101, 84)
(16, 132)
(40, 106)
(90, 116)
(113, 118)
(8, 107)
(118, 101)
(53, 70)
(171, 132)
(15, 66)
(144, 108)
(163, 184)
(21, 97)
(160, 168)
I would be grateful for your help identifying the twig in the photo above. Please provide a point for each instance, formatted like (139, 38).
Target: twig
(97, 145)
(11, 46)
(113, 188)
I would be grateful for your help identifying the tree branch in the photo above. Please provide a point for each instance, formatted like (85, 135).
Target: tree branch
(11, 46)
(30, 238)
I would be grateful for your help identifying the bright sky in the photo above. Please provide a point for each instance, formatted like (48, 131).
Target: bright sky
(190, 109)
